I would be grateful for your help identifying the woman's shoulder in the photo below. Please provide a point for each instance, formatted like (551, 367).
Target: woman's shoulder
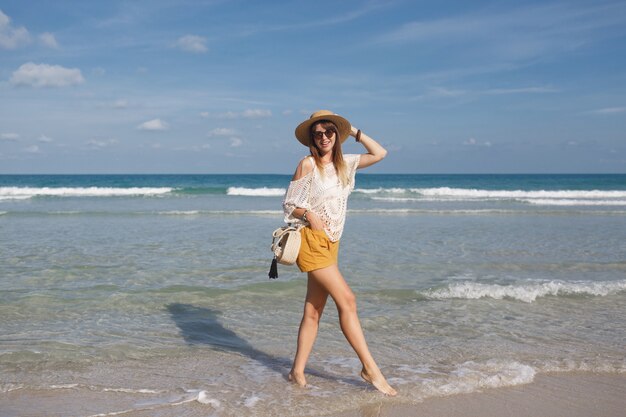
(305, 167)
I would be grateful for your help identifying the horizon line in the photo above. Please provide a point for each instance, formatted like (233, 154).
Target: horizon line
(360, 173)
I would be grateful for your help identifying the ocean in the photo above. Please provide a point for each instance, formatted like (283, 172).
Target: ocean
(124, 294)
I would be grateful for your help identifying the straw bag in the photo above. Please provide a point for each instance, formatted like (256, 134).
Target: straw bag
(285, 246)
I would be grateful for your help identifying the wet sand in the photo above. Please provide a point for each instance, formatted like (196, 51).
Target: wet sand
(550, 395)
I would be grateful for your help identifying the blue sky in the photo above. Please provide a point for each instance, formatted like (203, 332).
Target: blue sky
(218, 86)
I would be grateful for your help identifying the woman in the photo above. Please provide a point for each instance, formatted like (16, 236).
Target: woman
(317, 198)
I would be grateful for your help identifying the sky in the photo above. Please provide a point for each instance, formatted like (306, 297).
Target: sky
(202, 86)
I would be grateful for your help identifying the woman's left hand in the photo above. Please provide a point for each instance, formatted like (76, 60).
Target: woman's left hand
(314, 221)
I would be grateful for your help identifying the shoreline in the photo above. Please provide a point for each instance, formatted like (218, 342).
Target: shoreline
(579, 394)
(576, 394)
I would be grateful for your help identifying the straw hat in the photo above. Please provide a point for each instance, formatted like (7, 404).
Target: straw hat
(303, 130)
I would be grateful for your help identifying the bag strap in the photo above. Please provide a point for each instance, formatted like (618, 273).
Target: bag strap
(278, 233)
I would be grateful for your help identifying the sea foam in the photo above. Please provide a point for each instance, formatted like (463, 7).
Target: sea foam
(525, 292)
(20, 193)
(537, 197)
(574, 202)
(515, 194)
(472, 376)
(256, 192)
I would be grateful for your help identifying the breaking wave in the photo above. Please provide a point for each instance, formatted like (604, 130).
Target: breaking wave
(22, 193)
(527, 293)
(537, 197)
(256, 192)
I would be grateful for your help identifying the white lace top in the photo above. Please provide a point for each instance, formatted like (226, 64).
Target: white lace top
(324, 196)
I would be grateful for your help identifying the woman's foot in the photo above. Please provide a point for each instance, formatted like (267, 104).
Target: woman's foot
(297, 378)
(379, 382)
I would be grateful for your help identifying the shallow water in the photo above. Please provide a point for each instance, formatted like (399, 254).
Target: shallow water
(112, 302)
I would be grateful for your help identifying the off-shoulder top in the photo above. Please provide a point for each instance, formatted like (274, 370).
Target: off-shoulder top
(324, 195)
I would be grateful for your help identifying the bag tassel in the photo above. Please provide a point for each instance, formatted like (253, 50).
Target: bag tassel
(273, 269)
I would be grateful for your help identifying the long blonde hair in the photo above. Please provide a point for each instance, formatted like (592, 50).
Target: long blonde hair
(337, 157)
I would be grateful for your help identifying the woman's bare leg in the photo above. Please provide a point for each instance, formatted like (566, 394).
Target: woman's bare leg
(314, 303)
(331, 280)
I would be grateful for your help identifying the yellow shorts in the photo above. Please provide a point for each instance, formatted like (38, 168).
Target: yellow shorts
(316, 250)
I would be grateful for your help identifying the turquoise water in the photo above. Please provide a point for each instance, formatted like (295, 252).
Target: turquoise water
(151, 291)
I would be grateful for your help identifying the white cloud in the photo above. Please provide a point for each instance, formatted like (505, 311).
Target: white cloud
(438, 92)
(522, 90)
(11, 37)
(255, 113)
(99, 144)
(154, 124)
(609, 110)
(120, 104)
(228, 115)
(9, 136)
(445, 92)
(520, 34)
(222, 131)
(45, 139)
(44, 75)
(246, 114)
(32, 149)
(98, 71)
(225, 132)
(474, 142)
(336, 19)
(192, 43)
(48, 40)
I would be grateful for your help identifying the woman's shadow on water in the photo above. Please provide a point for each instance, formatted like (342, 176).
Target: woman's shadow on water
(201, 326)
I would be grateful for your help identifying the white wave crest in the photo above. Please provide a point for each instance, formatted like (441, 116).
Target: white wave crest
(536, 197)
(430, 199)
(14, 197)
(180, 212)
(19, 193)
(64, 386)
(426, 211)
(380, 190)
(8, 387)
(526, 292)
(597, 365)
(217, 212)
(133, 390)
(573, 202)
(471, 376)
(256, 192)
(203, 398)
(518, 194)
(250, 402)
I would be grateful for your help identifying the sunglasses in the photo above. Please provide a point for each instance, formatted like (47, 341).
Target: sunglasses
(319, 134)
